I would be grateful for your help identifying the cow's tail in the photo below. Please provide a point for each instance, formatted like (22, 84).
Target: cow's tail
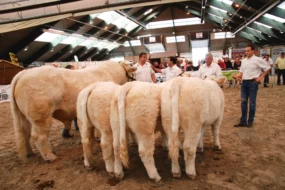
(122, 118)
(84, 123)
(20, 122)
(174, 142)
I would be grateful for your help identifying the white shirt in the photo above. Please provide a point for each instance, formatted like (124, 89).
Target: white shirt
(251, 68)
(269, 62)
(143, 73)
(171, 72)
(204, 71)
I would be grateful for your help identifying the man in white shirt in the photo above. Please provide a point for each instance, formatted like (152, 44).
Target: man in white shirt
(208, 68)
(269, 61)
(171, 71)
(144, 71)
(280, 65)
(253, 69)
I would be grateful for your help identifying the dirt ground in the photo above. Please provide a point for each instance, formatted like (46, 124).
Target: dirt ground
(251, 158)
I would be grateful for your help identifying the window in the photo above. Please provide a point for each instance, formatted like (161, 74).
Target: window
(198, 54)
(222, 35)
(187, 21)
(109, 16)
(177, 22)
(160, 24)
(274, 18)
(155, 48)
(133, 43)
(262, 24)
(47, 37)
(171, 39)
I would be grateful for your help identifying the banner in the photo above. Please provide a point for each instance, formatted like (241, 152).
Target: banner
(5, 92)
(276, 51)
(263, 52)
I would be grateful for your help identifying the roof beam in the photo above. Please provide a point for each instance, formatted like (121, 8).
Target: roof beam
(100, 54)
(78, 53)
(277, 12)
(89, 54)
(257, 34)
(272, 23)
(268, 31)
(249, 37)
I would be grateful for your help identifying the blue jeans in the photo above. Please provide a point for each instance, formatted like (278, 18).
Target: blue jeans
(248, 91)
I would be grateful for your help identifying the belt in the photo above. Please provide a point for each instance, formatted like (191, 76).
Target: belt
(249, 80)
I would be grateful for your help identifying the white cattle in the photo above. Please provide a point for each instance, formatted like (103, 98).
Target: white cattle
(202, 105)
(221, 80)
(139, 106)
(108, 107)
(42, 93)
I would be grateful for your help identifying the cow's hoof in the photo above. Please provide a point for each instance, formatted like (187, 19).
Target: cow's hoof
(67, 135)
(112, 174)
(191, 176)
(30, 154)
(200, 149)
(157, 179)
(217, 147)
(177, 175)
(98, 139)
(50, 158)
(119, 175)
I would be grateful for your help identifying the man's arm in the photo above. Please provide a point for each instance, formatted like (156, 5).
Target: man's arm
(153, 78)
(156, 69)
(238, 76)
(262, 76)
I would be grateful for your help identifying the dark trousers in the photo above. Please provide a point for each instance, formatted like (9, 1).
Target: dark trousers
(279, 73)
(266, 79)
(248, 92)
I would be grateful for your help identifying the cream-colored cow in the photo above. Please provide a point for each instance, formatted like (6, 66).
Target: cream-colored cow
(202, 105)
(109, 108)
(40, 94)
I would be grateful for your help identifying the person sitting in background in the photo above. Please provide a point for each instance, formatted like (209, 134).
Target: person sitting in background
(269, 61)
(65, 133)
(221, 64)
(237, 63)
(186, 64)
(171, 71)
(190, 66)
(156, 64)
(229, 65)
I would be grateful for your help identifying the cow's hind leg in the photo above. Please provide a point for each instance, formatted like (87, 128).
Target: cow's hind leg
(192, 137)
(200, 147)
(107, 150)
(66, 129)
(87, 139)
(40, 133)
(27, 131)
(118, 168)
(146, 151)
(216, 131)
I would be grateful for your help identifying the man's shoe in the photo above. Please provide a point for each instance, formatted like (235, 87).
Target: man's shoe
(249, 125)
(241, 125)
(65, 134)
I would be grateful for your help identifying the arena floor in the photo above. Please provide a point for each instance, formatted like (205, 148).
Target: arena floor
(250, 158)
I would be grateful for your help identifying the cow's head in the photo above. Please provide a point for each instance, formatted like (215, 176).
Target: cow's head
(130, 69)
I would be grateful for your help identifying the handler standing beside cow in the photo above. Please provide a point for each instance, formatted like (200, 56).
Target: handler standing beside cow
(250, 74)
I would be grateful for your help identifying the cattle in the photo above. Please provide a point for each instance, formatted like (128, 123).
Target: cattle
(93, 112)
(202, 105)
(108, 107)
(139, 108)
(221, 80)
(40, 94)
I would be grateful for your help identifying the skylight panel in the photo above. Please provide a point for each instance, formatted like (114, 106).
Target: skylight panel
(215, 16)
(187, 21)
(47, 37)
(227, 2)
(131, 26)
(222, 35)
(88, 42)
(160, 24)
(133, 43)
(255, 30)
(101, 44)
(109, 16)
(218, 9)
(171, 39)
(262, 24)
(155, 48)
(70, 40)
(121, 22)
(112, 46)
(274, 18)
(281, 6)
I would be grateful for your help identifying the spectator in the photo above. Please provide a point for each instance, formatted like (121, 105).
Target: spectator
(221, 64)
(208, 68)
(269, 61)
(237, 63)
(251, 74)
(229, 65)
(171, 71)
(280, 65)
(144, 70)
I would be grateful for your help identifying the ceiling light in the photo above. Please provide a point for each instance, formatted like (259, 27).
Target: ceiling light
(225, 20)
(147, 11)
(51, 50)
(71, 51)
(186, 7)
(26, 48)
(237, 5)
(240, 17)
(85, 52)
(230, 14)
(281, 32)
(126, 34)
(203, 7)
(269, 36)
(91, 22)
(188, 13)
